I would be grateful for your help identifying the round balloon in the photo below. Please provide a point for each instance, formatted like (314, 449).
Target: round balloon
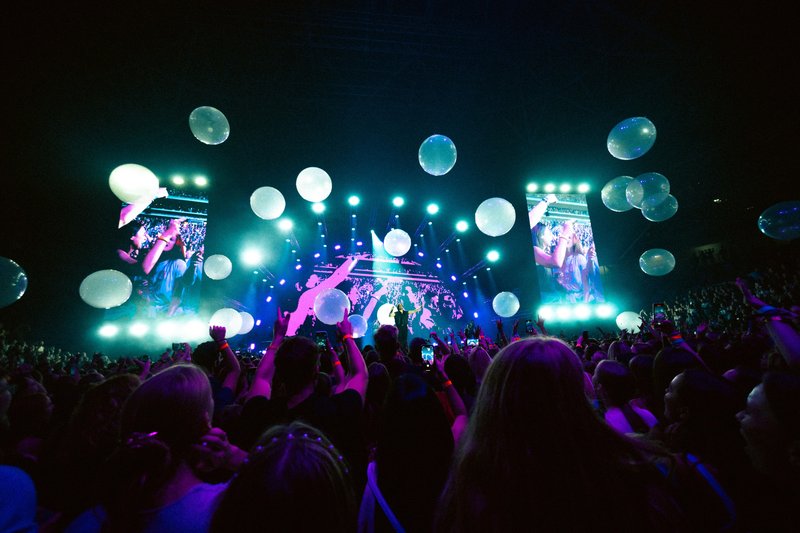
(385, 315)
(105, 289)
(781, 221)
(330, 305)
(397, 242)
(217, 266)
(631, 138)
(314, 184)
(657, 262)
(13, 282)
(495, 217)
(630, 321)
(505, 304)
(437, 155)
(647, 190)
(209, 125)
(247, 323)
(267, 203)
(359, 325)
(662, 211)
(133, 184)
(228, 318)
(613, 194)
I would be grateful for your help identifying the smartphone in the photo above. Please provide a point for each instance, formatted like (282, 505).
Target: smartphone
(433, 340)
(659, 313)
(529, 327)
(472, 342)
(427, 355)
(321, 338)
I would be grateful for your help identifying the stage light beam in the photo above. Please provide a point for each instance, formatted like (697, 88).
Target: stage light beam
(354, 200)
(108, 330)
(493, 255)
(583, 188)
(398, 201)
(550, 187)
(318, 207)
(432, 209)
(252, 256)
(285, 224)
(462, 226)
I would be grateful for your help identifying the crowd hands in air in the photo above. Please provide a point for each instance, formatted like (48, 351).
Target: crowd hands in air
(690, 424)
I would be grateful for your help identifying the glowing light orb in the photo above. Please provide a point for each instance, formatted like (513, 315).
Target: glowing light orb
(657, 262)
(397, 242)
(133, 184)
(359, 325)
(105, 289)
(647, 190)
(13, 282)
(384, 315)
(613, 194)
(781, 221)
(247, 323)
(217, 267)
(330, 305)
(209, 125)
(495, 217)
(628, 320)
(661, 212)
(267, 203)
(631, 138)
(505, 304)
(314, 184)
(228, 318)
(437, 155)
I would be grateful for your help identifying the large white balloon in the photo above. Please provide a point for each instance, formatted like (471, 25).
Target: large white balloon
(228, 318)
(495, 217)
(359, 325)
(247, 323)
(661, 212)
(629, 320)
(105, 289)
(397, 242)
(505, 304)
(133, 184)
(631, 138)
(267, 203)
(613, 194)
(647, 190)
(314, 184)
(385, 316)
(437, 155)
(217, 267)
(330, 305)
(209, 125)
(657, 262)
(13, 281)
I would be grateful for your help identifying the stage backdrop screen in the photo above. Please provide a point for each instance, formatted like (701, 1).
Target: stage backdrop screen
(563, 245)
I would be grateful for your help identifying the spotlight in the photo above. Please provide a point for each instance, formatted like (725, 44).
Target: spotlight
(438, 265)
(359, 243)
(269, 299)
(258, 322)
(108, 331)
(453, 277)
(178, 180)
(353, 215)
(564, 312)
(138, 329)
(458, 240)
(200, 181)
(432, 209)
(167, 329)
(298, 267)
(565, 187)
(319, 223)
(475, 314)
(462, 226)
(337, 247)
(582, 312)
(318, 208)
(282, 282)
(252, 256)
(604, 310)
(550, 187)
(546, 312)
(285, 224)
(294, 251)
(252, 346)
(398, 201)
(322, 236)
(583, 188)
(316, 255)
(493, 255)
(466, 294)
(420, 254)
(430, 223)
(354, 200)
(533, 187)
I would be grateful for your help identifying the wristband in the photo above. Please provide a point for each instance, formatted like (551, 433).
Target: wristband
(160, 238)
(347, 336)
(447, 383)
(224, 346)
(337, 363)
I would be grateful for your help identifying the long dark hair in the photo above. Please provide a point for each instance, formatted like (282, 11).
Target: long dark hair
(536, 453)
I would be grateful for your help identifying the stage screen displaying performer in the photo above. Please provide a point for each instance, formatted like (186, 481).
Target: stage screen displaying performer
(375, 287)
(564, 250)
(160, 249)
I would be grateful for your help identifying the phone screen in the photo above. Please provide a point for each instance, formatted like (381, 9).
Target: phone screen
(659, 312)
(529, 327)
(321, 338)
(472, 342)
(427, 354)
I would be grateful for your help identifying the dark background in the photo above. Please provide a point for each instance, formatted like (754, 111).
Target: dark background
(526, 90)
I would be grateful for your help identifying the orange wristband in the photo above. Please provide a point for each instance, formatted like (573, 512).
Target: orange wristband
(337, 363)
(348, 336)
(447, 383)
(224, 346)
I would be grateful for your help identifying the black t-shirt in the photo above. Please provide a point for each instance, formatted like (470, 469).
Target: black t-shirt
(401, 319)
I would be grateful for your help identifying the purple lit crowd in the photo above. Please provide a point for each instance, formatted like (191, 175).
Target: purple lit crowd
(691, 423)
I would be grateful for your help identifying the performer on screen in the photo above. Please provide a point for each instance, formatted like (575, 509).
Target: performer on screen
(400, 316)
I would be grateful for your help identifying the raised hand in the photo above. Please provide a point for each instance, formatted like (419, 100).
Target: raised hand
(345, 327)
(281, 324)
(217, 333)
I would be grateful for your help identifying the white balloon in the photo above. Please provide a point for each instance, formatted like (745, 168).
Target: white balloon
(209, 125)
(359, 325)
(495, 217)
(660, 212)
(397, 242)
(217, 267)
(613, 194)
(505, 304)
(229, 318)
(247, 323)
(105, 289)
(267, 203)
(330, 305)
(629, 320)
(133, 184)
(314, 184)
(657, 262)
(384, 315)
